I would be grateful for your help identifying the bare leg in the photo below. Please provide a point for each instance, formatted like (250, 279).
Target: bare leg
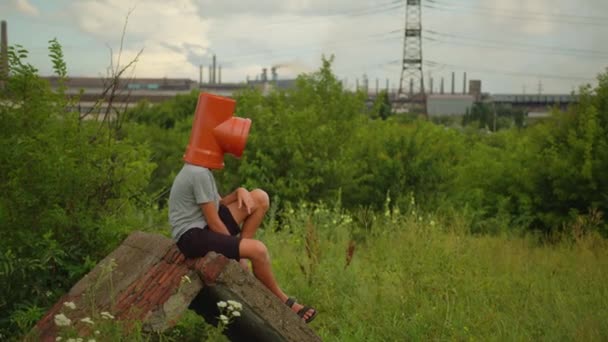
(251, 221)
(257, 252)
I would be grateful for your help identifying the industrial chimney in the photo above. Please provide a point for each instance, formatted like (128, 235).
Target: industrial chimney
(453, 80)
(273, 71)
(213, 78)
(264, 75)
(3, 55)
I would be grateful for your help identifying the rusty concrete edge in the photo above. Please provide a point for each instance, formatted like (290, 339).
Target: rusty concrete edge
(78, 289)
(228, 280)
(209, 269)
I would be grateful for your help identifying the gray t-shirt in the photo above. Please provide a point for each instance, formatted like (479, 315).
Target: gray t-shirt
(193, 185)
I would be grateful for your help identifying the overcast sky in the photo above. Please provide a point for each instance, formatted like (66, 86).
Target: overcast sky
(511, 45)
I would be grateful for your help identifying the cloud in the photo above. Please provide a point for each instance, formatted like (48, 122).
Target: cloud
(271, 8)
(24, 6)
(19, 6)
(527, 16)
(171, 33)
(178, 36)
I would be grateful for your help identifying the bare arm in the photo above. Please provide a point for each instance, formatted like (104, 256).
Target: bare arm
(240, 195)
(230, 198)
(213, 219)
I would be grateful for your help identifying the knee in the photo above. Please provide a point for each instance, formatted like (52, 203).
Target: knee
(260, 252)
(255, 250)
(261, 199)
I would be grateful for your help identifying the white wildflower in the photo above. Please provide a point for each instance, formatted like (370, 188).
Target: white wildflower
(230, 308)
(236, 314)
(70, 305)
(91, 340)
(235, 304)
(106, 315)
(186, 279)
(48, 294)
(432, 223)
(79, 339)
(62, 320)
(58, 338)
(87, 320)
(221, 304)
(71, 340)
(224, 319)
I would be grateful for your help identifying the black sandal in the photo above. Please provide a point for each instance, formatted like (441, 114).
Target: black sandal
(291, 301)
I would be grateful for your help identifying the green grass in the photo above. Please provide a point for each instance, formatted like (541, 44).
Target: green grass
(427, 278)
(413, 280)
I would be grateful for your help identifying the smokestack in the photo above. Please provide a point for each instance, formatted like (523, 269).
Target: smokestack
(431, 85)
(219, 75)
(411, 86)
(377, 86)
(210, 74)
(273, 71)
(264, 75)
(3, 55)
(214, 69)
(464, 84)
(441, 87)
(453, 80)
(200, 75)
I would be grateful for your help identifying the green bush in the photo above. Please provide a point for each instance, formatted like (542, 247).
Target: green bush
(70, 191)
(319, 142)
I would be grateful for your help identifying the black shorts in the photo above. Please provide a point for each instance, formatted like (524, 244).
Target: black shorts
(197, 242)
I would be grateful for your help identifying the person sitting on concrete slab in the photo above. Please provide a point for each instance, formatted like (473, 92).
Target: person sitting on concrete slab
(201, 220)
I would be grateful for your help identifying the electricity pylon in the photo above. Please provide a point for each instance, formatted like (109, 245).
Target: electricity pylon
(411, 71)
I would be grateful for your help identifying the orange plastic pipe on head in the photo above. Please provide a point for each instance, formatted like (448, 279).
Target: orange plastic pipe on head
(216, 132)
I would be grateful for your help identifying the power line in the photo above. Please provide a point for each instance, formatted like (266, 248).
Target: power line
(293, 51)
(384, 7)
(340, 15)
(509, 72)
(548, 48)
(520, 12)
(466, 10)
(530, 50)
(296, 49)
(396, 5)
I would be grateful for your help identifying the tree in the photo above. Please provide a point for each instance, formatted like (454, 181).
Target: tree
(71, 190)
(382, 106)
